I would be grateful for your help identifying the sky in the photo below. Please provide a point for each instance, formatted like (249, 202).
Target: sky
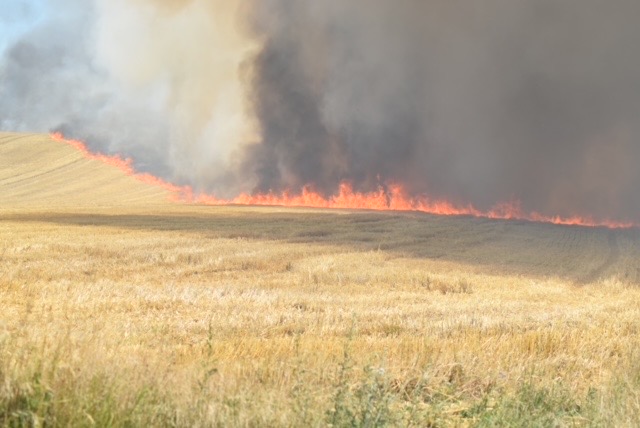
(17, 17)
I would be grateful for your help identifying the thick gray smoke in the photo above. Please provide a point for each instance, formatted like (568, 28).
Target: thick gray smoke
(478, 101)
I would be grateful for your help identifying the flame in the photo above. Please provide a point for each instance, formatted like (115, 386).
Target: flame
(394, 198)
(124, 165)
(391, 197)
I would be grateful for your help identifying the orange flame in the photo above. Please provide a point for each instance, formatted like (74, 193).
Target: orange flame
(124, 165)
(393, 198)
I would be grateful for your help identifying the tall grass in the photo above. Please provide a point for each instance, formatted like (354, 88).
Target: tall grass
(39, 393)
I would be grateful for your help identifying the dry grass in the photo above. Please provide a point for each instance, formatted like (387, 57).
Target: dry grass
(151, 313)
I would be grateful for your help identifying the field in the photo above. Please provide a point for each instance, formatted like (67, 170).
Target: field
(120, 308)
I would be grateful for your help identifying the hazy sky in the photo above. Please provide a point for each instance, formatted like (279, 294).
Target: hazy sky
(17, 16)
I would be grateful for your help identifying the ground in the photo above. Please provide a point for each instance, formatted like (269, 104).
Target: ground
(120, 307)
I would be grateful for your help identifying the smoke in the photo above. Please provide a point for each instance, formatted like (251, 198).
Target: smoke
(476, 101)
(154, 80)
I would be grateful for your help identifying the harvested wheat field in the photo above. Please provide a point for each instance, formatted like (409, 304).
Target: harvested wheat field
(121, 308)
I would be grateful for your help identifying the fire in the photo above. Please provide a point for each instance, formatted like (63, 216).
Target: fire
(391, 197)
(124, 165)
(394, 198)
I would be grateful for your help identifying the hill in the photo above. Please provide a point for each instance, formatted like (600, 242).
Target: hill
(41, 175)
(37, 172)
(120, 308)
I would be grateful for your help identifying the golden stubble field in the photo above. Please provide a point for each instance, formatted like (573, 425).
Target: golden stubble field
(120, 308)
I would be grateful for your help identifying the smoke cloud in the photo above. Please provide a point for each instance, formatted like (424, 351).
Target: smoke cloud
(475, 101)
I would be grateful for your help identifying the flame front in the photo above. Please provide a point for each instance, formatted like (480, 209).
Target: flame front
(126, 166)
(391, 197)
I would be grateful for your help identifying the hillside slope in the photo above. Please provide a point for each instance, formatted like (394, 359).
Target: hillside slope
(43, 180)
(38, 172)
